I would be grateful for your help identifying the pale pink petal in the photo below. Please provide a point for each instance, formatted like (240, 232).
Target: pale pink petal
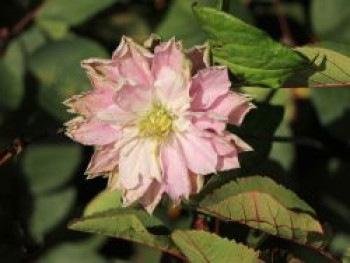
(150, 160)
(130, 164)
(168, 55)
(104, 160)
(228, 162)
(223, 145)
(175, 173)
(172, 90)
(132, 195)
(115, 115)
(133, 98)
(91, 102)
(92, 132)
(134, 62)
(199, 153)
(204, 122)
(240, 110)
(240, 145)
(105, 70)
(207, 86)
(152, 196)
(199, 56)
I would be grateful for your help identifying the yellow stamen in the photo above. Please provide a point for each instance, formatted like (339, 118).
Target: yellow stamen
(156, 123)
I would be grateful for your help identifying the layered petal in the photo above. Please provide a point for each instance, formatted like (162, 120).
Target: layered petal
(133, 62)
(92, 132)
(156, 128)
(207, 86)
(90, 103)
(199, 153)
(169, 55)
(199, 57)
(175, 173)
(104, 161)
(133, 98)
(130, 164)
(171, 89)
(152, 196)
(132, 195)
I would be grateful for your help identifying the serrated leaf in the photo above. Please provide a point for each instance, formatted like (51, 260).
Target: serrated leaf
(11, 77)
(104, 201)
(331, 103)
(49, 166)
(262, 204)
(49, 210)
(128, 224)
(248, 52)
(60, 14)
(200, 246)
(57, 67)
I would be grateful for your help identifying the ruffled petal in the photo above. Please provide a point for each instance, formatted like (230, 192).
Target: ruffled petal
(172, 90)
(92, 132)
(91, 102)
(175, 173)
(115, 115)
(104, 160)
(130, 164)
(207, 86)
(152, 196)
(132, 195)
(133, 98)
(102, 72)
(199, 153)
(199, 56)
(133, 63)
(169, 55)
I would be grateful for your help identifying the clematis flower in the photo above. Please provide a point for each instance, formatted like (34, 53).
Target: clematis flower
(157, 120)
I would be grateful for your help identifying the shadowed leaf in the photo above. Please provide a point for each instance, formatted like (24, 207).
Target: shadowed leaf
(262, 204)
(200, 246)
(128, 224)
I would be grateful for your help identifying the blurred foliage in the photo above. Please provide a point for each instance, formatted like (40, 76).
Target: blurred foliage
(44, 188)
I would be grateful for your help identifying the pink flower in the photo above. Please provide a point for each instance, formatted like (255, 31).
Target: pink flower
(158, 120)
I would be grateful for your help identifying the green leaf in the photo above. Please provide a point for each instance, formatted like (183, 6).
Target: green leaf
(187, 28)
(200, 246)
(104, 201)
(262, 204)
(57, 67)
(49, 210)
(128, 224)
(331, 19)
(77, 252)
(57, 15)
(248, 52)
(330, 103)
(50, 166)
(32, 39)
(11, 77)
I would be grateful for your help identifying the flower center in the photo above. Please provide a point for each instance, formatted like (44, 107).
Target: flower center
(157, 122)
